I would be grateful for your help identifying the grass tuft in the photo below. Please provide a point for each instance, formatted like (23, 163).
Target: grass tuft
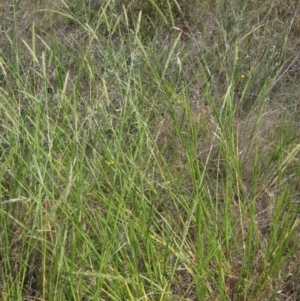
(149, 150)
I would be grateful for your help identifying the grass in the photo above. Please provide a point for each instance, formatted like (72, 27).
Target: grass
(149, 151)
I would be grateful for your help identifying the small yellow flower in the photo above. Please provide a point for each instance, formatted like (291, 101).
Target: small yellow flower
(243, 76)
(276, 64)
(111, 162)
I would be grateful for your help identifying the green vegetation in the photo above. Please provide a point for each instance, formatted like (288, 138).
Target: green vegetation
(149, 150)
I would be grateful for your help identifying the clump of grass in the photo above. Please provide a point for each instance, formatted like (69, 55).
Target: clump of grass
(141, 165)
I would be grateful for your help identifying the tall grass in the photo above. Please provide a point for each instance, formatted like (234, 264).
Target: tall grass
(148, 155)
